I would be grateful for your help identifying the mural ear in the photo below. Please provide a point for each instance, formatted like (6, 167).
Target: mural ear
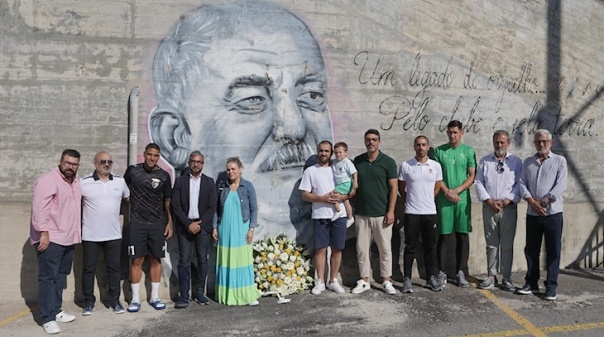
(171, 132)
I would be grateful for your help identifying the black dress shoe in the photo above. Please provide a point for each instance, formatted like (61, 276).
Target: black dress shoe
(199, 298)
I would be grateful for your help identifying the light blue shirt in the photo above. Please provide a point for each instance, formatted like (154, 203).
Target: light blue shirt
(544, 180)
(497, 181)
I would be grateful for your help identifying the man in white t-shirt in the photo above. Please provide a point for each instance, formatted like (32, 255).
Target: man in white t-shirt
(419, 182)
(102, 195)
(317, 186)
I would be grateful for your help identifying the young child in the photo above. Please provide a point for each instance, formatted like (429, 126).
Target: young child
(345, 175)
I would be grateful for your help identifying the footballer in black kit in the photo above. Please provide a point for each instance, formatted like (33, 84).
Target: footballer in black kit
(148, 190)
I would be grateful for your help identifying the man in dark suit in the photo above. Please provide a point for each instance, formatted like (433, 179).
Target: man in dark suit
(193, 205)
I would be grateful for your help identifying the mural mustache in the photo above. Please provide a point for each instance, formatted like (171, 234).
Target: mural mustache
(289, 155)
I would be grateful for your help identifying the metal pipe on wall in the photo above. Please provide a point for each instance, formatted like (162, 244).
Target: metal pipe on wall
(133, 125)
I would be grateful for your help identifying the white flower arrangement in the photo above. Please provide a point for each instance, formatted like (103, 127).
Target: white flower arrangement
(281, 266)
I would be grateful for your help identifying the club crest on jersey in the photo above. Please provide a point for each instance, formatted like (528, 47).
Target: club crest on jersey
(155, 182)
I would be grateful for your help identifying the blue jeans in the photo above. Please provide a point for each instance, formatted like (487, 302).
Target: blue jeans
(538, 227)
(54, 264)
(186, 241)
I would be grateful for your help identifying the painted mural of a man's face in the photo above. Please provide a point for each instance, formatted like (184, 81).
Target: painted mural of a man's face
(264, 100)
(252, 85)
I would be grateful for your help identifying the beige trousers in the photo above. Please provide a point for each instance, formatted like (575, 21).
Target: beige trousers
(369, 228)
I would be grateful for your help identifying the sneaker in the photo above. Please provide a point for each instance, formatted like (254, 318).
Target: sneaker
(64, 317)
(407, 286)
(349, 222)
(550, 296)
(134, 307)
(507, 285)
(181, 304)
(389, 288)
(254, 303)
(489, 282)
(157, 304)
(362, 285)
(527, 289)
(442, 279)
(318, 288)
(88, 310)
(117, 308)
(336, 287)
(51, 327)
(433, 284)
(201, 300)
(337, 215)
(461, 280)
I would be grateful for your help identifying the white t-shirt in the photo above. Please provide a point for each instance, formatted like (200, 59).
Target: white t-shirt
(343, 170)
(420, 179)
(101, 201)
(319, 180)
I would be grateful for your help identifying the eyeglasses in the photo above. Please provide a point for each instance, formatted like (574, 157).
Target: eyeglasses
(70, 164)
(196, 162)
(500, 168)
(106, 161)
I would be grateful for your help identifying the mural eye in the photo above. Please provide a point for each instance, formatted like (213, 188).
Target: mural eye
(312, 100)
(251, 105)
(246, 99)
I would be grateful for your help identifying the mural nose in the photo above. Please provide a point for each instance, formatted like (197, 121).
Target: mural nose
(288, 124)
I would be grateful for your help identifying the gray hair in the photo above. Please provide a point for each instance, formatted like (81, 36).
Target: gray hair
(501, 133)
(195, 153)
(541, 132)
(178, 65)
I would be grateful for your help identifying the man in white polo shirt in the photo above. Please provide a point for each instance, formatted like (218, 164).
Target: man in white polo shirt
(419, 182)
(102, 195)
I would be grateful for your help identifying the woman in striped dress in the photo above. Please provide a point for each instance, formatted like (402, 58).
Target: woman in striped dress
(234, 231)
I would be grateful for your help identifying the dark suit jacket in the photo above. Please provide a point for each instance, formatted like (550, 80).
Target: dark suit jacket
(206, 205)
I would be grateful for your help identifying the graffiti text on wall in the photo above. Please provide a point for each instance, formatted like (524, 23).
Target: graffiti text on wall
(450, 91)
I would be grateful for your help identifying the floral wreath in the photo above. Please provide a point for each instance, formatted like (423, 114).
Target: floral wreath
(281, 266)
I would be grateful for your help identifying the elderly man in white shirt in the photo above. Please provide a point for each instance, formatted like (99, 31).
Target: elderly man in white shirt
(542, 185)
(497, 187)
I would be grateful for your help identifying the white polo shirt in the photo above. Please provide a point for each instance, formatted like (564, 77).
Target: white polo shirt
(420, 179)
(101, 201)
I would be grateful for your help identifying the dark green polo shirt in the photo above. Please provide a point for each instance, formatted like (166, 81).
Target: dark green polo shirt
(372, 195)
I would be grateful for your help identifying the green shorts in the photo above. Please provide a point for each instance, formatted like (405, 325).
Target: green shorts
(455, 218)
(344, 188)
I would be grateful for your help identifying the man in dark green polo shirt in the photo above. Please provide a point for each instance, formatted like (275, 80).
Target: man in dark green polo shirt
(375, 201)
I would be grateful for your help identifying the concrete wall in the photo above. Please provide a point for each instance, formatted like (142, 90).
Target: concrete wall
(403, 67)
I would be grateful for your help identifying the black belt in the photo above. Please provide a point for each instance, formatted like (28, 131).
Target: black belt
(195, 220)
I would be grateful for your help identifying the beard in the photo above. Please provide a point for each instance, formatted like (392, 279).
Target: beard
(68, 173)
(500, 153)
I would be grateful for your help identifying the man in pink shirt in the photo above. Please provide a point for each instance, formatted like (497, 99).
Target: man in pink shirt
(55, 229)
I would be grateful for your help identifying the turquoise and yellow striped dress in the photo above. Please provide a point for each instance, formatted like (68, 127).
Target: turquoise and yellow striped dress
(234, 259)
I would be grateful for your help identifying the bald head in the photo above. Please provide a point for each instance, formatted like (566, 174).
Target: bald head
(103, 164)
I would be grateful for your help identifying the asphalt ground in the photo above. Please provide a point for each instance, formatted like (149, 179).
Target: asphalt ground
(578, 311)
